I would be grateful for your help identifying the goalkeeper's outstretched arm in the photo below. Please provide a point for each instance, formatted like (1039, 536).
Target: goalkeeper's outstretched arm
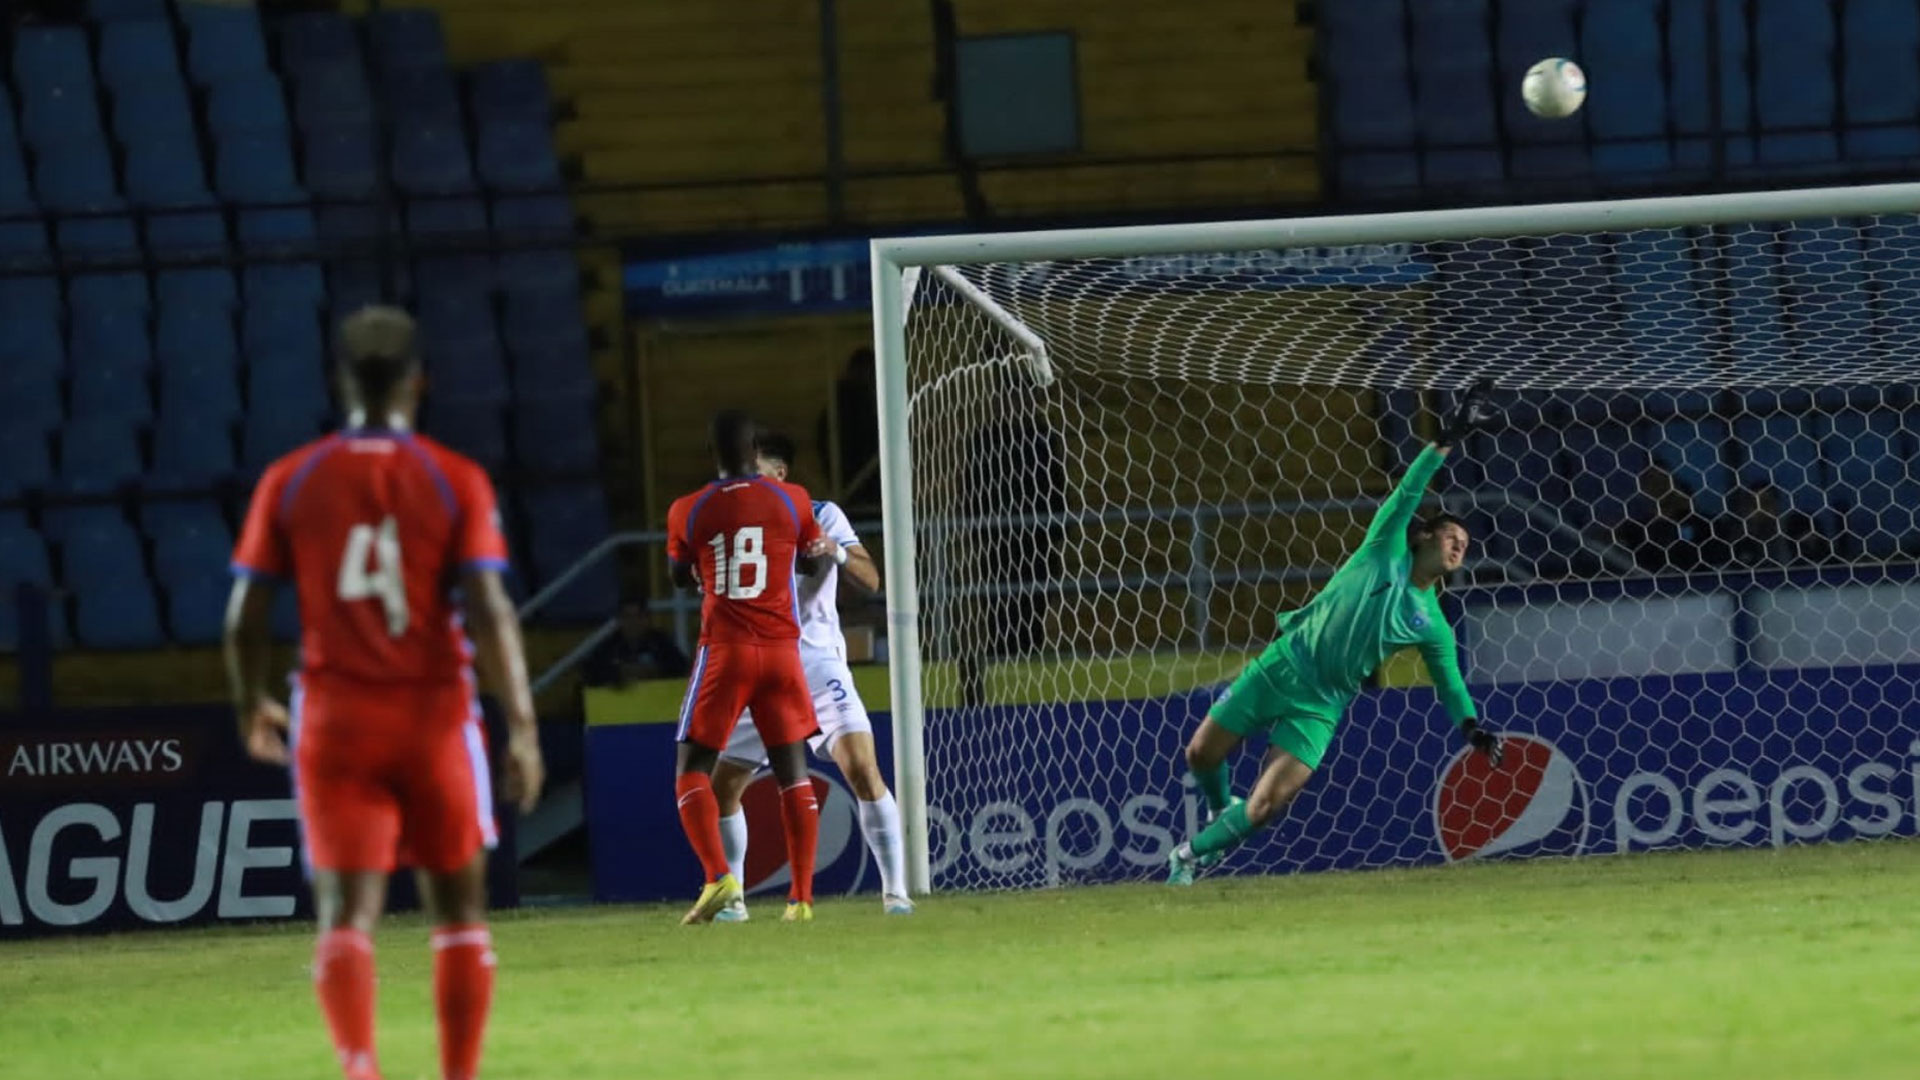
(1396, 514)
(1441, 652)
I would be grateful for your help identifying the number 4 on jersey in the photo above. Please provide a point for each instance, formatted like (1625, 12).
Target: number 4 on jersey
(749, 552)
(382, 582)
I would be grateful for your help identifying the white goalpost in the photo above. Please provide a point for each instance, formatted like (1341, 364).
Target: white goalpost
(1110, 457)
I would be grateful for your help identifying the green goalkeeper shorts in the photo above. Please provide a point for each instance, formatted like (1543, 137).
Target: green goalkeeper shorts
(1269, 699)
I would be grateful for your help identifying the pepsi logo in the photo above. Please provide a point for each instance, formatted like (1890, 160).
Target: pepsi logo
(767, 868)
(1535, 799)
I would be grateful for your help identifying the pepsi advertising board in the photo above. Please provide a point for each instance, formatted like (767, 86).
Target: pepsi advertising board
(121, 819)
(1593, 766)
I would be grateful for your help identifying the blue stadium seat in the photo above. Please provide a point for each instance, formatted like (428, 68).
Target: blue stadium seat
(110, 11)
(317, 41)
(405, 38)
(246, 104)
(472, 428)
(515, 91)
(188, 235)
(23, 561)
(191, 536)
(542, 319)
(518, 157)
(1793, 85)
(1892, 258)
(51, 57)
(556, 434)
(26, 465)
(98, 455)
(431, 161)
(469, 369)
(1867, 457)
(332, 97)
(1604, 465)
(197, 605)
(166, 173)
(110, 360)
(451, 219)
(16, 188)
(527, 272)
(1620, 48)
(1369, 89)
(113, 599)
(76, 177)
(1755, 315)
(1694, 451)
(561, 367)
(28, 299)
(1781, 451)
(462, 274)
(530, 217)
(224, 42)
(280, 233)
(342, 162)
(256, 169)
(191, 450)
(353, 284)
(137, 51)
(1880, 95)
(1453, 99)
(269, 433)
(1692, 104)
(154, 110)
(58, 523)
(424, 97)
(1664, 286)
(1827, 305)
(567, 521)
(207, 287)
(286, 365)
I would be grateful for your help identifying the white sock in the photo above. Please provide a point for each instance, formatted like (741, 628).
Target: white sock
(733, 841)
(880, 821)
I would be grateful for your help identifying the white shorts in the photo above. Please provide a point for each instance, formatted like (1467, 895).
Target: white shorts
(835, 702)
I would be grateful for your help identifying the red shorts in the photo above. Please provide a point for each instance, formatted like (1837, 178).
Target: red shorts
(391, 776)
(729, 678)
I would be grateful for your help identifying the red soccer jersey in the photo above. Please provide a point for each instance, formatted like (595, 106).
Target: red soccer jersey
(373, 527)
(741, 536)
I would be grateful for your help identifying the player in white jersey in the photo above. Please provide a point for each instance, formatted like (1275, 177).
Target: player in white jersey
(846, 733)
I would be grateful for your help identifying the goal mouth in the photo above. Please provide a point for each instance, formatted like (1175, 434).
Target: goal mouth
(1691, 580)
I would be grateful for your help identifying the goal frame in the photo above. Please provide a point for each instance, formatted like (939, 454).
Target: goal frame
(894, 260)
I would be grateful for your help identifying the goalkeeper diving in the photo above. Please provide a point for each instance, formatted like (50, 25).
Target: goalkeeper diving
(1381, 601)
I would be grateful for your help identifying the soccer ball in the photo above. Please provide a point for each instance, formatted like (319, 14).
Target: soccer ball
(1554, 87)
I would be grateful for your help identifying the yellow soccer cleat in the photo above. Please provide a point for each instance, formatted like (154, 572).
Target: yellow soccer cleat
(797, 912)
(718, 894)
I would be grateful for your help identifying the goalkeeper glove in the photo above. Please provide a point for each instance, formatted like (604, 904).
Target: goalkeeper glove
(1474, 411)
(1482, 740)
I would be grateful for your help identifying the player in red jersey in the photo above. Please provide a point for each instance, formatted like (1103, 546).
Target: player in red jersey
(392, 543)
(741, 539)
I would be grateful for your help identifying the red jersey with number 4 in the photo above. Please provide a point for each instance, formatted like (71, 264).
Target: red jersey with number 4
(373, 527)
(741, 536)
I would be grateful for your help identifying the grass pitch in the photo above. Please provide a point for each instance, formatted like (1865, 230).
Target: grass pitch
(1800, 963)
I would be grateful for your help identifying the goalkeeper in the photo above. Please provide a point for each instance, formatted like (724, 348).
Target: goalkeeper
(1381, 601)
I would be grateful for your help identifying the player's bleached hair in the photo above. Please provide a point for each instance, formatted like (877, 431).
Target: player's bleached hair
(379, 346)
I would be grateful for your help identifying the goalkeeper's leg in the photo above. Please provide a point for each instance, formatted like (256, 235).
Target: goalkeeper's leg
(1207, 754)
(1282, 776)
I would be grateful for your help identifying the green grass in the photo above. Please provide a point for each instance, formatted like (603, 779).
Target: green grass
(1798, 964)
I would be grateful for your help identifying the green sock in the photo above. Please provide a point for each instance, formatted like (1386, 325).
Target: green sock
(1216, 786)
(1225, 833)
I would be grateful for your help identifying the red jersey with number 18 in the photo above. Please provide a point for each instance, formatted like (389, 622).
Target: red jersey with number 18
(373, 527)
(741, 536)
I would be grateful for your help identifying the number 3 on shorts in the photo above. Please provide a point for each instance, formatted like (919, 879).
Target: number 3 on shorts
(382, 582)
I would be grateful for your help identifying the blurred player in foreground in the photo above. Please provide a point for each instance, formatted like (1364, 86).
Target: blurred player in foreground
(1294, 693)
(740, 539)
(846, 734)
(389, 539)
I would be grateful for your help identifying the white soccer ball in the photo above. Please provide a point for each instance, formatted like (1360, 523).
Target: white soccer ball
(1554, 87)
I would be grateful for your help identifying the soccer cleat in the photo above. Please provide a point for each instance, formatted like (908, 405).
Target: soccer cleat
(717, 894)
(1205, 861)
(735, 911)
(797, 911)
(896, 905)
(1180, 866)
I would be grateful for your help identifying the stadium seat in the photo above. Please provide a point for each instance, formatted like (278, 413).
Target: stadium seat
(199, 363)
(197, 605)
(462, 221)
(154, 110)
(58, 105)
(405, 38)
(527, 272)
(1793, 84)
(137, 51)
(1881, 84)
(515, 91)
(531, 217)
(332, 97)
(1692, 106)
(23, 561)
(16, 188)
(282, 345)
(110, 359)
(110, 11)
(207, 287)
(567, 521)
(113, 599)
(542, 319)
(246, 104)
(424, 97)
(224, 42)
(1755, 316)
(268, 433)
(256, 168)
(98, 456)
(1694, 450)
(190, 536)
(518, 157)
(76, 177)
(464, 274)
(342, 162)
(472, 428)
(1620, 47)
(1604, 465)
(1892, 258)
(431, 161)
(1827, 305)
(26, 465)
(30, 401)
(166, 173)
(188, 236)
(51, 58)
(108, 292)
(277, 234)
(315, 41)
(1867, 457)
(1453, 99)
(469, 369)
(59, 522)
(1663, 279)
(191, 450)
(1779, 450)
(555, 434)
(558, 367)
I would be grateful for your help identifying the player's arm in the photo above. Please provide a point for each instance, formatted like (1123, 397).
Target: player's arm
(502, 664)
(261, 560)
(1395, 515)
(680, 554)
(1441, 652)
(841, 544)
(810, 544)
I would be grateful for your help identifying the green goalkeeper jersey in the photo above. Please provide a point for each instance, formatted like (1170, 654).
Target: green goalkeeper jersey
(1371, 610)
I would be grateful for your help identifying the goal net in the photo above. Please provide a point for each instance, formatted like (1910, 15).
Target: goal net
(1691, 598)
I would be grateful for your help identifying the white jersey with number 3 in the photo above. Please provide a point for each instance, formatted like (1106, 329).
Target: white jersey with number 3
(820, 593)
